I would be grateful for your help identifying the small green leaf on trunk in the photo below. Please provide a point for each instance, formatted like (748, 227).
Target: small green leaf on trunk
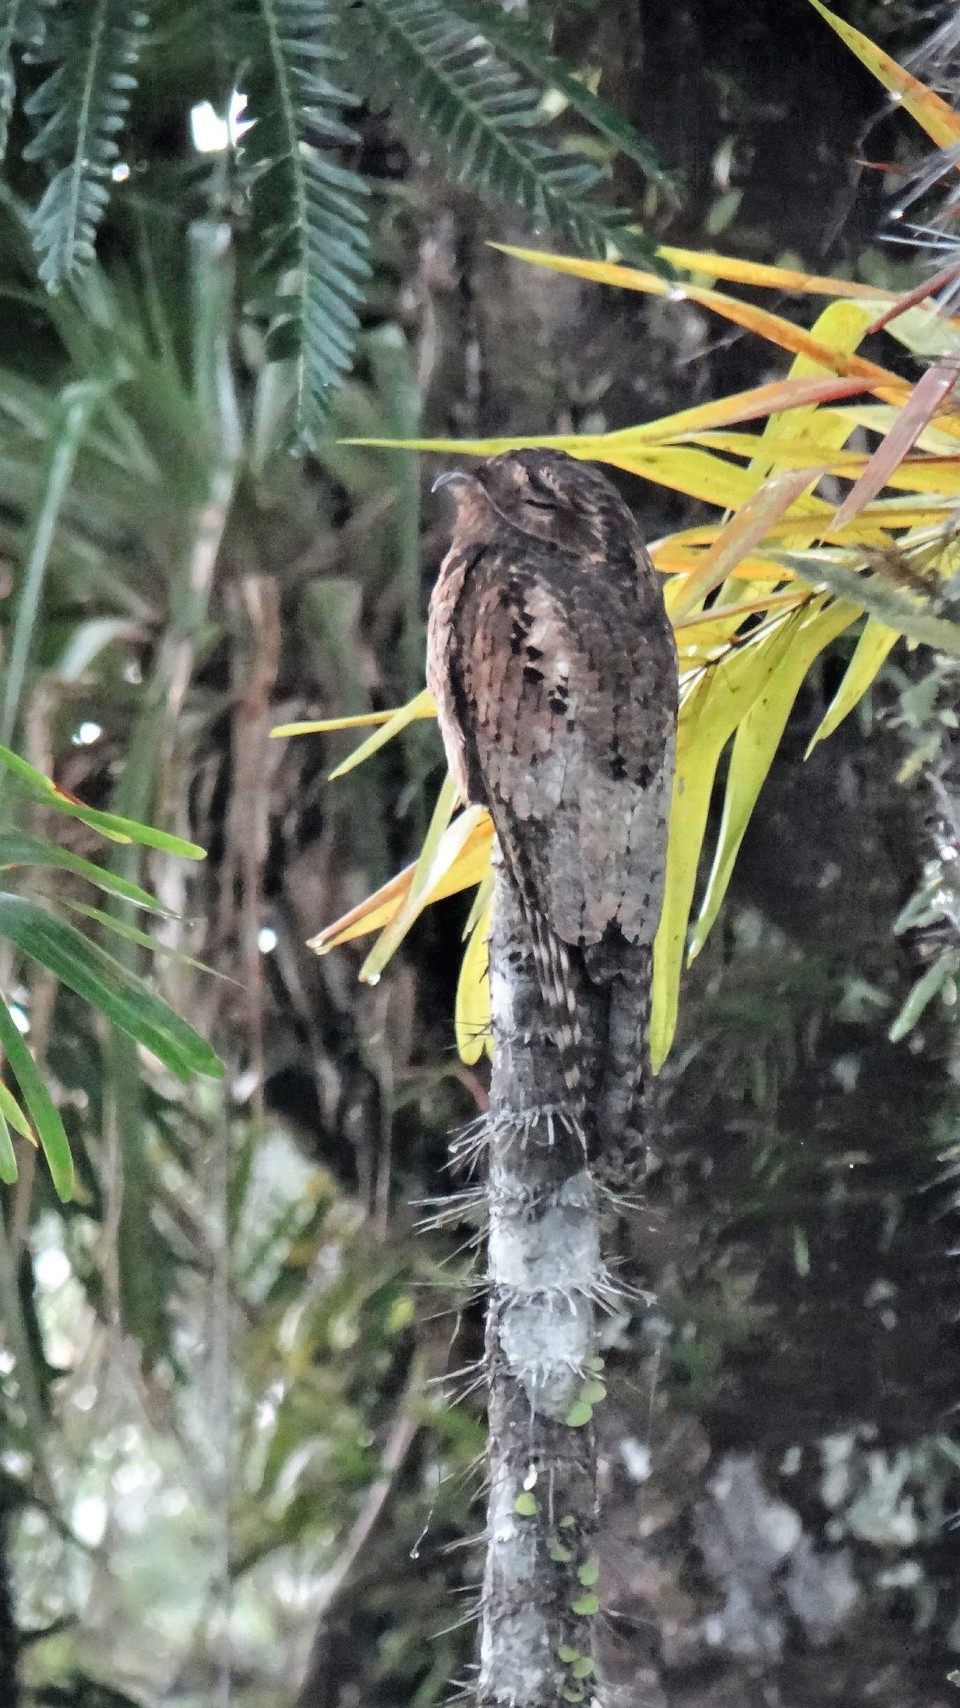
(580, 1413)
(587, 1604)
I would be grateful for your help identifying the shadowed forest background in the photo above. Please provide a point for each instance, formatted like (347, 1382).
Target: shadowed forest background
(231, 1469)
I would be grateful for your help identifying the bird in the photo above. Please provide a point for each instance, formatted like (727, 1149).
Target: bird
(553, 666)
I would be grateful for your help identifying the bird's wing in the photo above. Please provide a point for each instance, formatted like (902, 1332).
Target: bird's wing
(570, 673)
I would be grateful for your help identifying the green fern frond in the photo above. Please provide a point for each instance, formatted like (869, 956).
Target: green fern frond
(514, 35)
(444, 76)
(306, 206)
(81, 107)
(22, 25)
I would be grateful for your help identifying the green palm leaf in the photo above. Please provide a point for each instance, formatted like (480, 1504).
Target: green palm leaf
(446, 80)
(22, 24)
(307, 207)
(40, 1105)
(513, 34)
(93, 47)
(107, 984)
(109, 824)
(17, 848)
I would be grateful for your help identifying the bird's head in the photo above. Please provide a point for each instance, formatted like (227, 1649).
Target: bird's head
(545, 494)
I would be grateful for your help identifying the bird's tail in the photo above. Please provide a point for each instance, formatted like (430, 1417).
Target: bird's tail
(625, 1077)
(597, 1004)
(600, 1023)
(566, 999)
(569, 1001)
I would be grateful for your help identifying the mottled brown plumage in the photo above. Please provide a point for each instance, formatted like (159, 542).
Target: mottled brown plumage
(554, 670)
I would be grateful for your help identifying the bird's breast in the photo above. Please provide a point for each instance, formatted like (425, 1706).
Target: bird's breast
(443, 645)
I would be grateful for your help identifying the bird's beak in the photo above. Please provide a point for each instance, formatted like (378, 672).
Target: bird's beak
(449, 476)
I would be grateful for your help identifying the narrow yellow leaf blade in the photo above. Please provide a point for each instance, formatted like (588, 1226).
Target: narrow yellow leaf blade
(708, 630)
(940, 436)
(757, 739)
(484, 892)
(840, 327)
(750, 405)
(741, 272)
(773, 327)
(709, 714)
(380, 908)
(371, 914)
(683, 468)
(421, 706)
(438, 858)
(933, 473)
(739, 536)
(786, 279)
(437, 829)
(14, 1116)
(933, 386)
(680, 552)
(933, 114)
(472, 1015)
(326, 726)
(873, 647)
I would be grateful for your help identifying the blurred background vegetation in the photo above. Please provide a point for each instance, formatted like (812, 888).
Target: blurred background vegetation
(230, 1471)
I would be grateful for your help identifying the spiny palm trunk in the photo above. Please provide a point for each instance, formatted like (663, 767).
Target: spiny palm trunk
(546, 1279)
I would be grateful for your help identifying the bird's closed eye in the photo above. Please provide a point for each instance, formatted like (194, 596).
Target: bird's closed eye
(541, 503)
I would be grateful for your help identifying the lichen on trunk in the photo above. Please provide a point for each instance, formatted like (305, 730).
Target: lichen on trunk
(547, 1281)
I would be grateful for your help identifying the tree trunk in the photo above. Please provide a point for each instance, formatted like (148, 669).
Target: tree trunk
(546, 1280)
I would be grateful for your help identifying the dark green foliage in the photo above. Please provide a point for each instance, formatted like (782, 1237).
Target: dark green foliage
(513, 34)
(87, 1692)
(307, 209)
(103, 981)
(9, 1636)
(22, 25)
(454, 90)
(451, 78)
(99, 978)
(93, 47)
